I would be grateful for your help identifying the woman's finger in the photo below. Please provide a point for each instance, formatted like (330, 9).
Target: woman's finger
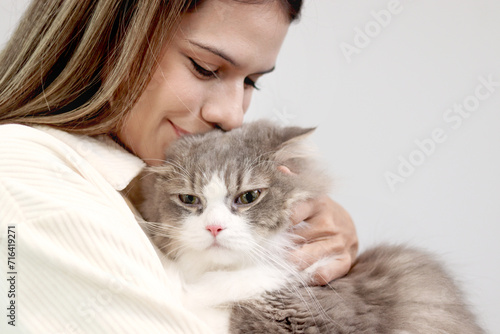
(328, 240)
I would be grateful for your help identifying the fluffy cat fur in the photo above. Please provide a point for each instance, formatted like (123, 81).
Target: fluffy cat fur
(232, 256)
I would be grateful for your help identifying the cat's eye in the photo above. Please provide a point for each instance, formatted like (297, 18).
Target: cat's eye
(248, 197)
(189, 199)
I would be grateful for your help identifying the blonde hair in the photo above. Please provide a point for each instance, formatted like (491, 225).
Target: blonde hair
(69, 60)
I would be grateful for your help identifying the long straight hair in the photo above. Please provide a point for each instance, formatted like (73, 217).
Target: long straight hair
(80, 65)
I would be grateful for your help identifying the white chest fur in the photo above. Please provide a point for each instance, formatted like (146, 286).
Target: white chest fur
(212, 297)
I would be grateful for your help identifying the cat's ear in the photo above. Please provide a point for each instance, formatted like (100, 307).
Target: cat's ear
(293, 151)
(298, 162)
(295, 133)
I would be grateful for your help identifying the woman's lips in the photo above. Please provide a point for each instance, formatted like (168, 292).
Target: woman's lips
(179, 131)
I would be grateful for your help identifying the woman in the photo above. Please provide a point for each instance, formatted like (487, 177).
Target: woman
(104, 87)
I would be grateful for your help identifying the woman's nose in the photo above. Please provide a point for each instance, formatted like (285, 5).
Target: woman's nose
(225, 108)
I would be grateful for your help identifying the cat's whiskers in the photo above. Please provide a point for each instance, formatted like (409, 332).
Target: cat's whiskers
(172, 167)
(155, 228)
(181, 177)
(260, 254)
(172, 249)
(161, 161)
(173, 252)
(271, 258)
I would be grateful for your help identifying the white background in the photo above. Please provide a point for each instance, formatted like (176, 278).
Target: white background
(373, 105)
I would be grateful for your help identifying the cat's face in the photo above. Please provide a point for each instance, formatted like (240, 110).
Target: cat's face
(222, 199)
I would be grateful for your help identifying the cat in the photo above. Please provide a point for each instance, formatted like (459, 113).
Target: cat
(219, 209)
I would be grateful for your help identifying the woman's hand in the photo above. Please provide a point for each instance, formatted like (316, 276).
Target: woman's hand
(329, 236)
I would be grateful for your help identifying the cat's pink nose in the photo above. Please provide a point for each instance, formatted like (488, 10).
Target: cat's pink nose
(214, 229)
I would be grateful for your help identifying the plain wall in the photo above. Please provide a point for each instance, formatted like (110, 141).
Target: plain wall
(384, 81)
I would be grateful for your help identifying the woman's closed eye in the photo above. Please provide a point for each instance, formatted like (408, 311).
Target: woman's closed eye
(208, 74)
(251, 83)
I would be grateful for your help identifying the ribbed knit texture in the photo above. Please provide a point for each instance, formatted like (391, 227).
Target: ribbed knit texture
(83, 263)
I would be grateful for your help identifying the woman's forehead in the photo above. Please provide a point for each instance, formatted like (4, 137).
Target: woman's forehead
(245, 33)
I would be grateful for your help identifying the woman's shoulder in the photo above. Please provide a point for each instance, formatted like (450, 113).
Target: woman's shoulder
(24, 146)
(57, 169)
(10, 133)
(27, 142)
(31, 152)
(36, 167)
(43, 146)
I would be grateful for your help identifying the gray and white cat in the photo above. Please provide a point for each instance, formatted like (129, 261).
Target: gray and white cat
(219, 209)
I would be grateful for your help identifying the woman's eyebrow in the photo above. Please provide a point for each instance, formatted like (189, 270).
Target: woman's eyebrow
(215, 51)
(266, 71)
(223, 55)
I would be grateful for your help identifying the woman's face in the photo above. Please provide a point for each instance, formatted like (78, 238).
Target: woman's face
(206, 75)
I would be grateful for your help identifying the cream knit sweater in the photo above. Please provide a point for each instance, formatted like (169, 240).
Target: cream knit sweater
(72, 255)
